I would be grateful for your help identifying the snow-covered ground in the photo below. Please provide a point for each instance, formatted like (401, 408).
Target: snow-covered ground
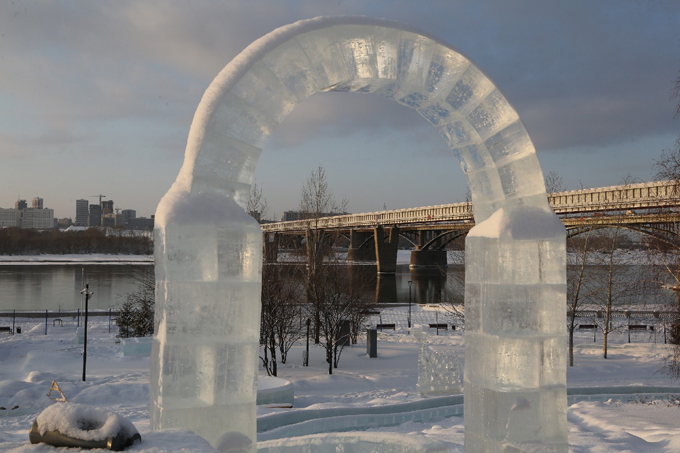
(624, 423)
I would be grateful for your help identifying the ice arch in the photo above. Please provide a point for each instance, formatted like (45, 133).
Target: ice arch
(208, 251)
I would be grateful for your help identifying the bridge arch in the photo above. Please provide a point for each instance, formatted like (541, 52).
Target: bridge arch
(209, 252)
(670, 238)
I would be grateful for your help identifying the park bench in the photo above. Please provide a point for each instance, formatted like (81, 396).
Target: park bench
(587, 326)
(6, 329)
(439, 326)
(386, 326)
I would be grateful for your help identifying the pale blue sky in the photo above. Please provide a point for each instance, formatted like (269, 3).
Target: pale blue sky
(97, 97)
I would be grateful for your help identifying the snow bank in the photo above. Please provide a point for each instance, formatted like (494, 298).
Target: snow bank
(275, 392)
(84, 422)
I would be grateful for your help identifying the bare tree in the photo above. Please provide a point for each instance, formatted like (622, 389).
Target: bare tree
(362, 286)
(621, 282)
(663, 258)
(579, 281)
(257, 204)
(344, 302)
(554, 183)
(280, 325)
(609, 291)
(136, 316)
(664, 261)
(668, 168)
(453, 303)
(317, 201)
(668, 165)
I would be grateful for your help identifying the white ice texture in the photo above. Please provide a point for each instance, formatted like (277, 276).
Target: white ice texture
(208, 252)
(515, 367)
(355, 442)
(438, 371)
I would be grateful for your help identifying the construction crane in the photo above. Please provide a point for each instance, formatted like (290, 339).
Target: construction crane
(100, 196)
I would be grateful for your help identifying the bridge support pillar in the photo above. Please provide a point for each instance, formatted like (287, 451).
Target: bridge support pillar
(428, 259)
(355, 252)
(271, 247)
(386, 252)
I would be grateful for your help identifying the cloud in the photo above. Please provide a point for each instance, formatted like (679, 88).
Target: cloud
(338, 115)
(580, 73)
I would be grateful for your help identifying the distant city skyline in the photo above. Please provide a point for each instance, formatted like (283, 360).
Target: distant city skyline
(39, 203)
(97, 98)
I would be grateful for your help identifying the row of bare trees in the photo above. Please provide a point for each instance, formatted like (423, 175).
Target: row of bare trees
(601, 277)
(323, 293)
(337, 312)
(668, 168)
(17, 241)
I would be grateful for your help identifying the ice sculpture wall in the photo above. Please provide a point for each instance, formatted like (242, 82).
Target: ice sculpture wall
(438, 371)
(208, 251)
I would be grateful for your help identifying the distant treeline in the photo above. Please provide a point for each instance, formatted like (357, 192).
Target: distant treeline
(16, 241)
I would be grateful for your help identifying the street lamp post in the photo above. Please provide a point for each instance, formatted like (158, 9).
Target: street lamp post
(410, 284)
(87, 293)
(306, 361)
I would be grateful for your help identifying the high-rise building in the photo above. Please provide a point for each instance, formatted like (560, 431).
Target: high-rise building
(128, 214)
(82, 213)
(107, 207)
(20, 204)
(37, 203)
(38, 219)
(95, 218)
(10, 218)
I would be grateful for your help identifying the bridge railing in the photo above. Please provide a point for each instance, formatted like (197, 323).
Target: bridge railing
(441, 213)
(649, 195)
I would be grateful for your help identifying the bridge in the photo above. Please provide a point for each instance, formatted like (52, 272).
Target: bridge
(652, 208)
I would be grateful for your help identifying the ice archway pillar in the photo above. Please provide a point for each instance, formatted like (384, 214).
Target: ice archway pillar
(208, 251)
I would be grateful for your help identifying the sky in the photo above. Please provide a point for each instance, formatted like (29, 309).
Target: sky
(97, 97)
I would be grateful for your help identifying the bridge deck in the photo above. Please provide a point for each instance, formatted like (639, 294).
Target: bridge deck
(644, 203)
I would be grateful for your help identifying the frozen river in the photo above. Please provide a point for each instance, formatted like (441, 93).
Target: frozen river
(57, 287)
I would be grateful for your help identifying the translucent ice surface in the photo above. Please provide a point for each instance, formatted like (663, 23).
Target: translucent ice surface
(208, 251)
(355, 442)
(205, 350)
(438, 371)
(515, 368)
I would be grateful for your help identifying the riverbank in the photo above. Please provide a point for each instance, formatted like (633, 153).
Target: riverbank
(94, 258)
